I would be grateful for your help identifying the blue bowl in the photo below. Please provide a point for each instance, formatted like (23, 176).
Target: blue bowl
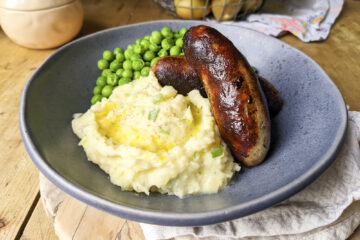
(306, 134)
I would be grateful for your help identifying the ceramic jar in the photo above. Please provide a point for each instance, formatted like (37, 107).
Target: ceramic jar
(41, 24)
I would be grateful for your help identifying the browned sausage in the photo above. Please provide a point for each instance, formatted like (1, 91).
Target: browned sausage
(235, 96)
(272, 96)
(176, 72)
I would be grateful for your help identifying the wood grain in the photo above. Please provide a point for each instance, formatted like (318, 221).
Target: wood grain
(76, 220)
(20, 211)
(18, 175)
(40, 226)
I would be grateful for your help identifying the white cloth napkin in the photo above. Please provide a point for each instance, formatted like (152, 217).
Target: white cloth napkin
(327, 209)
(309, 20)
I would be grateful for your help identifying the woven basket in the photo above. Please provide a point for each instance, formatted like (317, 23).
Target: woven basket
(222, 10)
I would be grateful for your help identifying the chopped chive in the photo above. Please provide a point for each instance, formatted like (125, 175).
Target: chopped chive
(158, 98)
(254, 69)
(153, 114)
(217, 151)
(164, 132)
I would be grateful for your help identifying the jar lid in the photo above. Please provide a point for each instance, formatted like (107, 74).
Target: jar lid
(30, 5)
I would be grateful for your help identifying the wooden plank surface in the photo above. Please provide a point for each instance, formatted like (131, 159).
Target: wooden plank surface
(40, 226)
(20, 210)
(18, 175)
(90, 223)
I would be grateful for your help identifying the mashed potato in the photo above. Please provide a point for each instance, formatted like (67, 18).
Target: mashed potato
(149, 138)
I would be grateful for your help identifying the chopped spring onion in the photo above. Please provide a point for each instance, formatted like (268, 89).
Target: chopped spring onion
(164, 132)
(217, 151)
(196, 155)
(153, 114)
(158, 98)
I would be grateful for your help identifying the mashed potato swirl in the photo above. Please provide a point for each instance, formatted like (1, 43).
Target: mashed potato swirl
(149, 138)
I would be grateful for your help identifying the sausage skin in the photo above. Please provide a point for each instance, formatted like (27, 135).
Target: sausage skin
(176, 72)
(237, 101)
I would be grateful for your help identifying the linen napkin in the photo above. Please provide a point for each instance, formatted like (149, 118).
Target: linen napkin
(329, 208)
(309, 20)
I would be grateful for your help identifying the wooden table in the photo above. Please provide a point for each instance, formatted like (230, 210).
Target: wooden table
(21, 212)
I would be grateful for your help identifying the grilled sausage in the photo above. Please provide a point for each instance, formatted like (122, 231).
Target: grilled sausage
(272, 95)
(176, 72)
(235, 96)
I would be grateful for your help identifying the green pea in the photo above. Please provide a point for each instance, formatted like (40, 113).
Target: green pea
(183, 31)
(97, 90)
(131, 46)
(124, 80)
(135, 56)
(167, 43)
(108, 55)
(106, 72)
(166, 31)
(147, 37)
(137, 64)
(95, 99)
(119, 72)
(179, 42)
(107, 90)
(148, 55)
(128, 53)
(120, 57)
(176, 35)
(175, 50)
(138, 41)
(102, 64)
(153, 61)
(147, 64)
(112, 79)
(138, 49)
(162, 53)
(115, 65)
(154, 47)
(145, 71)
(182, 53)
(118, 50)
(101, 81)
(145, 44)
(137, 75)
(127, 73)
(127, 64)
(156, 37)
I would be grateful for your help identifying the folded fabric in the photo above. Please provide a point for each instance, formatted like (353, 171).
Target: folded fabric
(309, 20)
(329, 208)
